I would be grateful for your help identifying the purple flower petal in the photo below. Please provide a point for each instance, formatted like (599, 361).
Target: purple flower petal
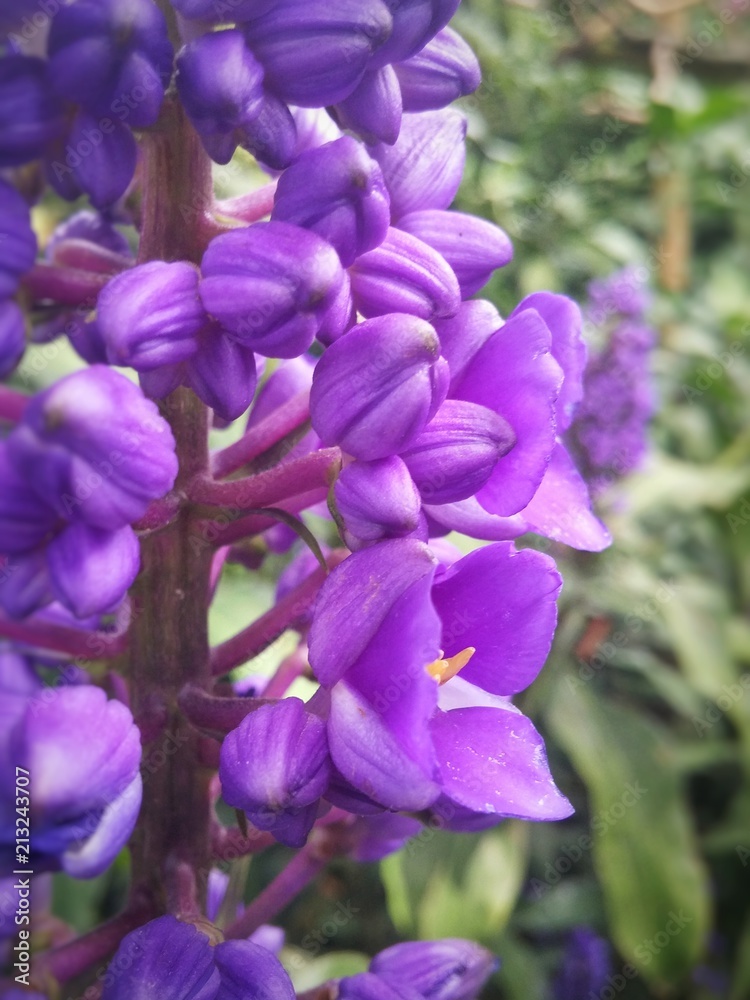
(220, 83)
(275, 765)
(424, 167)
(17, 241)
(95, 448)
(561, 508)
(563, 317)
(455, 454)
(91, 568)
(222, 373)
(405, 275)
(462, 335)
(166, 959)
(415, 22)
(150, 315)
(249, 970)
(93, 161)
(374, 390)
(511, 627)
(30, 114)
(373, 109)
(360, 597)
(442, 72)
(473, 247)
(314, 54)
(90, 857)
(376, 500)
(516, 375)
(338, 191)
(451, 969)
(270, 285)
(493, 762)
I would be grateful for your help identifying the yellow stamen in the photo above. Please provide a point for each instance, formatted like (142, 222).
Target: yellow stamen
(443, 670)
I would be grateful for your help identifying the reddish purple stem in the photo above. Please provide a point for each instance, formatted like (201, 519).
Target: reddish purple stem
(12, 404)
(44, 635)
(210, 711)
(227, 529)
(267, 489)
(66, 285)
(70, 960)
(248, 207)
(300, 871)
(264, 435)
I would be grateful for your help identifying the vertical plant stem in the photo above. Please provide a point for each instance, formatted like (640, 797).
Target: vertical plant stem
(169, 635)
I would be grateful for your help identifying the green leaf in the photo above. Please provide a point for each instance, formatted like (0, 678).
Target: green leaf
(644, 850)
(397, 893)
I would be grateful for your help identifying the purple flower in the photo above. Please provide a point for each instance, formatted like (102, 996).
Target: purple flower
(274, 286)
(337, 191)
(423, 168)
(275, 766)
(472, 247)
(12, 337)
(113, 57)
(415, 22)
(30, 113)
(609, 429)
(374, 109)
(151, 315)
(625, 292)
(94, 449)
(388, 637)
(83, 754)
(404, 275)
(17, 239)
(220, 83)
(375, 389)
(98, 162)
(444, 70)
(451, 969)
(585, 967)
(92, 227)
(176, 961)
(315, 54)
(375, 500)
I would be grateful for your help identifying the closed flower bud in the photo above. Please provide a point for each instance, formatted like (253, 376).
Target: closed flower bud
(376, 500)
(113, 57)
(455, 454)
(85, 754)
(415, 22)
(473, 247)
(373, 110)
(271, 286)
(17, 239)
(275, 766)
(94, 448)
(92, 161)
(218, 11)
(151, 315)
(374, 390)
(220, 83)
(91, 569)
(12, 337)
(25, 519)
(337, 191)
(314, 52)
(404, 275)
(91, 227)
(443, 71)
(222, 373)
(424, 167)
(451, 969)
(30, 113)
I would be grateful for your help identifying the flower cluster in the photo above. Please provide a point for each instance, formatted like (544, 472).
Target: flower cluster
(334, 312)
(609, 432)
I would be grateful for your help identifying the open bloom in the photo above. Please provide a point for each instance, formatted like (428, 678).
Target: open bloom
(391, 631)
(83, 753)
